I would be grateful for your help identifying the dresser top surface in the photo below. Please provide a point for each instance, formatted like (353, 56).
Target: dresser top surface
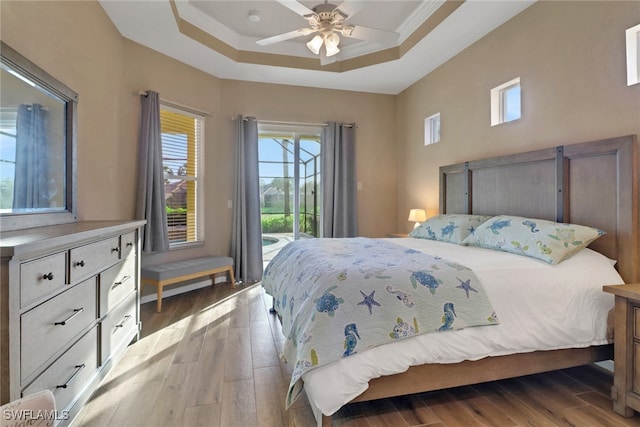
(19, 241)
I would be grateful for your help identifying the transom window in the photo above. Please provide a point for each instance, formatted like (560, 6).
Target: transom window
(432, 129)
(506, 102)
(182, 146)
(633, 55)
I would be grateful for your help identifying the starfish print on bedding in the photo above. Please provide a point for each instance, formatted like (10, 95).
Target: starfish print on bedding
(369, 301)
(466, 285)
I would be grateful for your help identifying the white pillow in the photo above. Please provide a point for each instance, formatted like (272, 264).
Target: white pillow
(549, 241)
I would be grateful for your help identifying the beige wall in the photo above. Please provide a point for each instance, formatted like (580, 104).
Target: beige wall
(570, 57)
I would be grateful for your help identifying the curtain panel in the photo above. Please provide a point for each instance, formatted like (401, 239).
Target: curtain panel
(338, 162)
(150, 203)
(31, 189)
(246, 239)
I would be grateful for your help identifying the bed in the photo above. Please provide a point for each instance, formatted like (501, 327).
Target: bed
(594, 184)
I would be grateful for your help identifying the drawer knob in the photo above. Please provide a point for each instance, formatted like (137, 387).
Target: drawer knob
(129, 244)
(80, 263)
(121, 324)
(76, 311)
(115, 249)
(72, 377)
(48, 276)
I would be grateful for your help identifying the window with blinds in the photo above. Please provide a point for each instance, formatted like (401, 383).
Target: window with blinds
(182, 144)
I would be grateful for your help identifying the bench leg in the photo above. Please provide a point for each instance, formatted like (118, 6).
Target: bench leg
(231, 278)
(159, 303)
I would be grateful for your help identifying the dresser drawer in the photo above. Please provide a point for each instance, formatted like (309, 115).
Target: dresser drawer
(636, 322)
(119, 327)
(87, 260)
(127, 244)
(70, 373)
(42, 276)
(116, 283)
(48, 328)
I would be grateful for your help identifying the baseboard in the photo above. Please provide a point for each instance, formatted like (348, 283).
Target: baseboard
(181, 289)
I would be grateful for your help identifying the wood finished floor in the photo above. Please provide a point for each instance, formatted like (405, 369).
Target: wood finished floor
(211, 359)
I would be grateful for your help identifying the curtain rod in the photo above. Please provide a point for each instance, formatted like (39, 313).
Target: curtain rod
(177, 105)
(275, 122)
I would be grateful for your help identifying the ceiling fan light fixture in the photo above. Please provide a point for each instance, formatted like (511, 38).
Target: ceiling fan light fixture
(315, 44)
(332, 39)
(332, 50)
(331, 44)
(347, 30)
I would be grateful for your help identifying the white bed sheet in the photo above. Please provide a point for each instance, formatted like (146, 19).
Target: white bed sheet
(540, 307)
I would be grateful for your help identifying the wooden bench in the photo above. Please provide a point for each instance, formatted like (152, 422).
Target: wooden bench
(179, 271)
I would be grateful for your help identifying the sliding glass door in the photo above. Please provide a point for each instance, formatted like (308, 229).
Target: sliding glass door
(289, 183)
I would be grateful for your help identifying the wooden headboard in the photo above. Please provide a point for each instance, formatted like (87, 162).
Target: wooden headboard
(592, 183)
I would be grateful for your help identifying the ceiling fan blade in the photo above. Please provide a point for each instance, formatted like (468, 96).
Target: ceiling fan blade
(373, 34)
(296, 7)
(350, 8)
(285, 36)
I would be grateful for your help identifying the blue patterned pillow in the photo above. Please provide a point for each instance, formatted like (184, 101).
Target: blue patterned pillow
(549, 241)
(453, 228)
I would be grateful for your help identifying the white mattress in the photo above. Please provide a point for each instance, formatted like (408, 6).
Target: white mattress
(540, 307)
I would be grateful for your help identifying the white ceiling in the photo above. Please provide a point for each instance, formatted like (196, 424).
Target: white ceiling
(192, 32)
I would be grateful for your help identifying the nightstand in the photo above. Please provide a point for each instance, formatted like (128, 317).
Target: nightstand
(397, 235)
(625, 392)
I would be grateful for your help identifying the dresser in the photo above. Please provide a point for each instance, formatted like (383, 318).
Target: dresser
(69, 307)
(625, 392)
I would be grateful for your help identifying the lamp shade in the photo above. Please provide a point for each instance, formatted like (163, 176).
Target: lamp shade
(315, 44)
(331, 50)
(331, 44)
(417, 215)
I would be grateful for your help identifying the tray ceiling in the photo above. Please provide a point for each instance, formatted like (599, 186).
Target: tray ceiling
(219, 37)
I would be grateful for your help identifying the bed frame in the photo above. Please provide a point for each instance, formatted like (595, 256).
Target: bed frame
(594, 183)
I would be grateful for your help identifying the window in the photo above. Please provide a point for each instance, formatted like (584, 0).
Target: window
(633, 55)
(432, 129)
(506, 102)
(182, 145)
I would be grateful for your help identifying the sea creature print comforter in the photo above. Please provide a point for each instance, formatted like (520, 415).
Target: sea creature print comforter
(337, 297)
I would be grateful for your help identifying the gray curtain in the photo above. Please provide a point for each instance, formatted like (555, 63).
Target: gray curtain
(246, 239)
(339, 208)
(150, 203)
(31, 189)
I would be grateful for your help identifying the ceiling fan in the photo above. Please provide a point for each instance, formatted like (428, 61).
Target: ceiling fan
(327, 21)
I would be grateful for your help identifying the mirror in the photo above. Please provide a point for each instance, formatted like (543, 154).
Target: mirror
(37, 145)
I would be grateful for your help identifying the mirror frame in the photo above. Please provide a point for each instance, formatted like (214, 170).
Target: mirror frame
(26, 68)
